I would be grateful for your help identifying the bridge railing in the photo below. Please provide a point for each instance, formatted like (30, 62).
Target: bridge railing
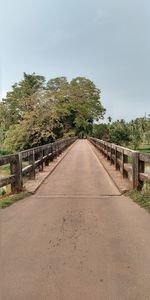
(130, 163)
(28, 162)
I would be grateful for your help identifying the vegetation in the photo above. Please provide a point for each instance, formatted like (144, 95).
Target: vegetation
(134, 134)
(141, 197)
(36, 112)
(8, 200)
(144, 150)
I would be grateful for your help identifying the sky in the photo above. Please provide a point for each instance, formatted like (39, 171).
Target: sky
(107, 41)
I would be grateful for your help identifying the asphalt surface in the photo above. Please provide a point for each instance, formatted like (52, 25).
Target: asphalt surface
(76, 238)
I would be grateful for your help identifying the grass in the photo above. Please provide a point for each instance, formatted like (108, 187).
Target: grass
(5, 171)
(4, 152)
(140, 197)
(144, 150)
(10, 199)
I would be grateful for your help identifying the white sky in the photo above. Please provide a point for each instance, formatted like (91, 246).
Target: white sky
(107, 41)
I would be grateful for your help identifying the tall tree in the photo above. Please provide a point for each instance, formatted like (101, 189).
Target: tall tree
(20, 100)
(38, 113)
(85, 105)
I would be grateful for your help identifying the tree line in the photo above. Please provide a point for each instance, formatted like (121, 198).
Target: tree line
(36, 112)
(134, 134)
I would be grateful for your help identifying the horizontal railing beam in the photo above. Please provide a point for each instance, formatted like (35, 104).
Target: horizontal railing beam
(36, 158)
(7, 180)
(124, 159)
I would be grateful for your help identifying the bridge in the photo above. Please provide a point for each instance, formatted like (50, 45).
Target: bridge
(77, 237)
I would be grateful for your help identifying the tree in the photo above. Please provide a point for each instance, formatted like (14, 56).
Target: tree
(20, 100)
(119, 133)
(109, 119)
(39, 113)
(57, 84)
(36, 128)
(85, 105)
(140, 132)
(78, 103)
(101, 131)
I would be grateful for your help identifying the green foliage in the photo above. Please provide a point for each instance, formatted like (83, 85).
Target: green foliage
(135, 134)
(119, 133)
(85, 105)
(9, 200)
(20, 100)
(2, 192)
(141, 197)
(140, 132)
(101, 131)
(1, 135)
(144, 150)
(35, 112)
(68, 134)
(4, 151)
(35, 129)
(16, 137)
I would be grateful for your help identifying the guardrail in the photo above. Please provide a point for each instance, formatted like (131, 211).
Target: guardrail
(26, 162)
(125, 160)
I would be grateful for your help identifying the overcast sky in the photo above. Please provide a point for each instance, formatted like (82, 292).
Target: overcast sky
(107, 41)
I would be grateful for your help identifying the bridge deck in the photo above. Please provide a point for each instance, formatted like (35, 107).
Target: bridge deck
(76, 238)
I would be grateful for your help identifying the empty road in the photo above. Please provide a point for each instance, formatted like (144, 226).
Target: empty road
(77, 238)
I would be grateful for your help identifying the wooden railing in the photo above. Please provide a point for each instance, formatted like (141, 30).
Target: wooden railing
(28, 161)
(125, 160)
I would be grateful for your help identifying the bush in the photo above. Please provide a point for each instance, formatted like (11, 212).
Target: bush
(2, 191)
(4, 151)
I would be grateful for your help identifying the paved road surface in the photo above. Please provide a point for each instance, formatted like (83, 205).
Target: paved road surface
(76, 239)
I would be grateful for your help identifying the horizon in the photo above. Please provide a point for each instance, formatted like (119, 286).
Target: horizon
(106, 115)
(109, 44)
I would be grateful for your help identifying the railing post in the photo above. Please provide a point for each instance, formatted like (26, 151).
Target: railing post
(125, 161)
(135, 169)
(53, 150)
(41, 158)
(102, 147)
(107, 151)
(47, 154)
(32, 162)
(122, 161)
(115, 161)
(58, 149)
(16, 169)
(59, 145)
(111, 155)
(141, 169)
(104, 150)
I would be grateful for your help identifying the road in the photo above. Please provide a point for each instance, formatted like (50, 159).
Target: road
(77, 238)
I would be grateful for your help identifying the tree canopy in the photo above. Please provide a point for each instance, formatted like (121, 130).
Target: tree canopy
(134, 134)
(36, 112)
